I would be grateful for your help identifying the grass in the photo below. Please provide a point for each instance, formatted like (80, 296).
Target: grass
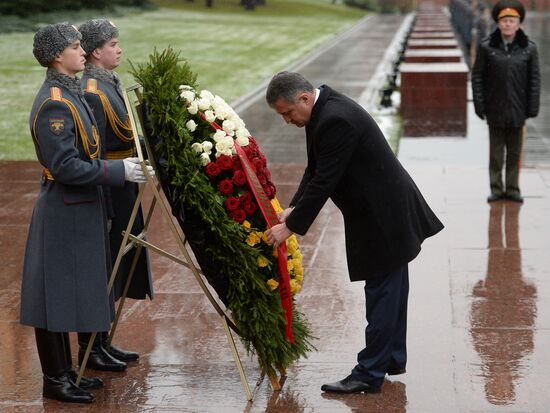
(231, 49)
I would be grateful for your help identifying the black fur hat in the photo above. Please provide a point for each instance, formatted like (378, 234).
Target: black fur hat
(51, 40)
(96, 32)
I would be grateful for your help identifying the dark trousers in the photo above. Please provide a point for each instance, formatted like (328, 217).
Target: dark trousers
(504, 142)
(386, 332)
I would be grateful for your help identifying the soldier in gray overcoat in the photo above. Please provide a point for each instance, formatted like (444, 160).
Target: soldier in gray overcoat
(103, 93)
(64, 282)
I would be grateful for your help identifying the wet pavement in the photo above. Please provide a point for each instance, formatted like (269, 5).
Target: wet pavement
(479, 312)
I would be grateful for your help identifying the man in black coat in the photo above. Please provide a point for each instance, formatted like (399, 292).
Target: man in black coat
(385, 216)
(506, 91)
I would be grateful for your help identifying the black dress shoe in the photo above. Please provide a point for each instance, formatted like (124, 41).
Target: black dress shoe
(350, 385)
(394, 371)
(494, 197)
(101, 360)
(514, 198)
(122, 355)
(86, 382)
(62, 388)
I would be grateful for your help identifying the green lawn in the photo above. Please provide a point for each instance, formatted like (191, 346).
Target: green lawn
(232, 50)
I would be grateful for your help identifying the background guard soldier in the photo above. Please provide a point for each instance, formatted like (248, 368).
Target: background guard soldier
(103, 94)
(64, 281)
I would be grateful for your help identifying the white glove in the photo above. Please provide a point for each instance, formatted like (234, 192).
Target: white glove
(133, 171)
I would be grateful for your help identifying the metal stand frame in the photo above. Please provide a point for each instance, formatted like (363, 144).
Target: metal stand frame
(139, 242)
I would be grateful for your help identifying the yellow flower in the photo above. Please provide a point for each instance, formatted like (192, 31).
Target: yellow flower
(276, 205)
(292, 244)
(290, 265)
(252, 239)
(299, 271)
(297, 255)
(246, 225)
(264, 237)
(262, 261)
(272, 284)
(299, 278)
(295, 286)
(296, 262)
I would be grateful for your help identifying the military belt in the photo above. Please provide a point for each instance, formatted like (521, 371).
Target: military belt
(129, 153)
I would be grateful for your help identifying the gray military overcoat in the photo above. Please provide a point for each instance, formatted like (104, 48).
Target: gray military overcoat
(105, 99)
(65, 272)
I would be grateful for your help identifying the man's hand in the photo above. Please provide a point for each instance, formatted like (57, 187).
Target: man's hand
(278, 234)
(133, 171)
(284, 214)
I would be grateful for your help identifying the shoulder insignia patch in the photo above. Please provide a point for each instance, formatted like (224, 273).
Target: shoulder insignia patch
(57, 126)
(91, 85)
(55, 93)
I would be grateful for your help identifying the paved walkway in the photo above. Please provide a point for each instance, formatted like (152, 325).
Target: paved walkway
(479, 338)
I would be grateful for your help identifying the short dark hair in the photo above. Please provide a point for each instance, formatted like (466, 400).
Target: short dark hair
(286, 86)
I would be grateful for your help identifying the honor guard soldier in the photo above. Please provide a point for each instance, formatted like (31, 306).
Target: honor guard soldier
(64, 282)
(103, 94)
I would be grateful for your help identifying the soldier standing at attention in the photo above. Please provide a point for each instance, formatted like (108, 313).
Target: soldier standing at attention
(103, 93)
(64, 282)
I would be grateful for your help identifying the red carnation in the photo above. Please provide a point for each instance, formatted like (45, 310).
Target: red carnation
(258, 165)
(263, 159)
(245, 198)
(225, 162)
(212, 170)
(273, 190)
(262, 179)
(231, 203)
(238, 215)
(239, 178)
(267, 191)
(237, 164)
(250, 208)
(267, 174)
(226, 186)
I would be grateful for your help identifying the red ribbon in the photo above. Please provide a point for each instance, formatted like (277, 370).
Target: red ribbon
(270, 216)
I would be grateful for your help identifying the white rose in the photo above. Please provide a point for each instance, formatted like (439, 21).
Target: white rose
(209, 116)
(204, 104)
(224, 144)
(197, 147)
(188, 95)
(227, 152)
(219, 135)
(242, 140)
(191, 125)
(242, 133)
(206, 94)
(221, 111)
(185, 87)
(228, 126)
(207, 147)
(205, 159)
(193, 108)
(239, 124)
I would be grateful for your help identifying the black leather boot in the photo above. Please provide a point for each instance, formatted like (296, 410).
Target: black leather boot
(99, 358)
(85, 382)
(117, 352)
(57, 384)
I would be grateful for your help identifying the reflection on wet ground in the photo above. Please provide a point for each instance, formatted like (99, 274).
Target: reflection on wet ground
(504, 308)
(479, 312)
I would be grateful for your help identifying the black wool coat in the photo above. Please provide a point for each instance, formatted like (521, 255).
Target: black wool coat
(349, 161)
(506, 84)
